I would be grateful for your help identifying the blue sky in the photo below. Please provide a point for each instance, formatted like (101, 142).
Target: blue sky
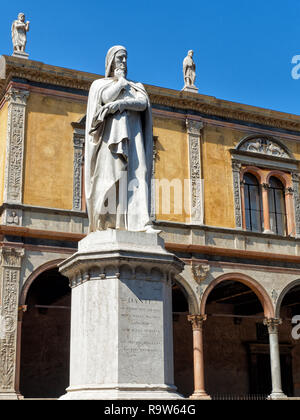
(243, 49)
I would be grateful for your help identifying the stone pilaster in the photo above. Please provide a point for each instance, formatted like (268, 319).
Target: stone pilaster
(295, 179)
(10, 267)
(272, 324)
(196, 183)
(13, 181)
(78, 142)
(236, 172)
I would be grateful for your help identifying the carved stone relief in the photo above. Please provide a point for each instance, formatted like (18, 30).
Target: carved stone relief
(78, 141)
(196, 183)
(264, 146)
(13, 184)
(295, 179)
(236, 169)
(9, 282)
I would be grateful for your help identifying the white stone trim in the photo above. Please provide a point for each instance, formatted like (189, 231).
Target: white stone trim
(13, 179)
(196, 183)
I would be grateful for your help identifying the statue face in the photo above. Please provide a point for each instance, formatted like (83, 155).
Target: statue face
(21, 17)
(191, 53)
(120, 61)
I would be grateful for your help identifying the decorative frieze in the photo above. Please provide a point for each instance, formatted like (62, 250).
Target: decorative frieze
(11, 259)
(194, 128)
(13, 183)
(78, 142)
(236, 172)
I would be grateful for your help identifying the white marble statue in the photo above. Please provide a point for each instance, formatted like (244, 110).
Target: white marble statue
(19, 31)
(118, 150)
(189, 71)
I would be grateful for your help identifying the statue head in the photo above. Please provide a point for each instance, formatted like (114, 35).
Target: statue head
(191, 53)
(116, 59)
(21, 17)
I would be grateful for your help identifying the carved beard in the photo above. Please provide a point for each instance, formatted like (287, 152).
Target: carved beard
(120, 69)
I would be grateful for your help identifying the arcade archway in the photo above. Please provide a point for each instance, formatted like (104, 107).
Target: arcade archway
(45, 337)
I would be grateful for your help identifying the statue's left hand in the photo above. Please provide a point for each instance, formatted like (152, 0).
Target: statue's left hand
(113, 107)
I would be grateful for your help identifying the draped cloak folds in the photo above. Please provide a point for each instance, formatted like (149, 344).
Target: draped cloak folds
(116, 144)
(18, 32)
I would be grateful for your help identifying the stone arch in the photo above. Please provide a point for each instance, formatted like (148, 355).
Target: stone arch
(283, 293)
(44, 267)
(260, 292)
(188, 293)
(257, 172)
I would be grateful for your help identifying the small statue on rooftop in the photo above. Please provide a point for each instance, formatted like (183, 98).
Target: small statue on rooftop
(189, 73)
(19, 31)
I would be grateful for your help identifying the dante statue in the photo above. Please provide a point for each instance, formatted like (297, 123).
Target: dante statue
(19, 31)
(189, 70)
(118, 150)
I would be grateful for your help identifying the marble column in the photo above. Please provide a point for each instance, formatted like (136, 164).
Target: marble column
(199, 387)
(272, 324)
(194, 128)
(9, 291)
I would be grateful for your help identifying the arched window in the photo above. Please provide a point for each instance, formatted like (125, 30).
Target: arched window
(253, 205)
(277, 208)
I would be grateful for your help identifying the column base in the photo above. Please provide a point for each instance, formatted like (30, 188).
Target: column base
(277, 396)
(10, 396)
(200, 395)
(123, 392)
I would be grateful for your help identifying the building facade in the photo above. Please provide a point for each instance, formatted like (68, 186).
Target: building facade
(225, 194)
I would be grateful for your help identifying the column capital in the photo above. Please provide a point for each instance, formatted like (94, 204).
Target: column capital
(236, 166)
(194, 127)
(272, 324)
(197, 321)
(17, 96)
(11, 257)
(265, 186)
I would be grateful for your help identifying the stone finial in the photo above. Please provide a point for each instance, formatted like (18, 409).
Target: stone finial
(189, 73)
(19, 31)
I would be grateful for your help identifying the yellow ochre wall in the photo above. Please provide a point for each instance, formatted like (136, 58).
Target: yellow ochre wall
(217, 174)
(171, 162)
(3, 130)
(49, 151)
(48, 179)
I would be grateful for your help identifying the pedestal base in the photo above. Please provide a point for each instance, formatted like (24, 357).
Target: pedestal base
(130, 392)
(20, 54)
(190, 89)
(121, 318)
(10, 396)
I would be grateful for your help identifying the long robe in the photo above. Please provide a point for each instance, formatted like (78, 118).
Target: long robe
(118, 160)
(18, 32)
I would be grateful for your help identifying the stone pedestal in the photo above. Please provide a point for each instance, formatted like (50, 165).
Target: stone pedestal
(192, 89)
(121, 323)
(20, 54)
